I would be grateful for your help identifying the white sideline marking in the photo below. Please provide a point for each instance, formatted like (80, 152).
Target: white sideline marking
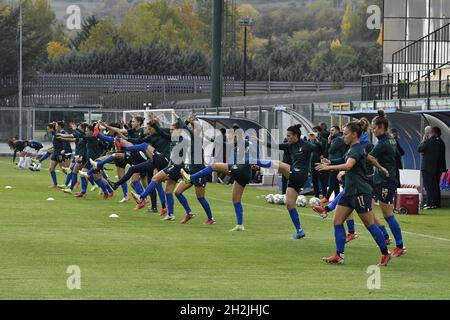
(316, 216)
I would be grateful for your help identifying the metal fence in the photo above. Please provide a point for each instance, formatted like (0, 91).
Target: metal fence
(424, 55)
(133, 91)
(406, 85)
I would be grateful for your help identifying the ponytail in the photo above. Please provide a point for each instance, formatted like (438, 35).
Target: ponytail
(381, 120)
(295, 129)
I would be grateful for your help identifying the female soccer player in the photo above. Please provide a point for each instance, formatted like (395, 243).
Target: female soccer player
(300, 153)
(383, 157)
(357, 196)
(170, 174)
(239, 169)
(200, 184)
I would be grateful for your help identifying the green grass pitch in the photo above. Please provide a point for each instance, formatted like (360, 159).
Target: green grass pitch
(138, 256)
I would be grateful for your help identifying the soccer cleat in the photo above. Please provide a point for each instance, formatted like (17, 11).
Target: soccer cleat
(385, 258)
(152, 210)
(35, 160)
(321, 211)
(80, 195)
(350, 237)
(31, 168)
(54, 186)
(111, 194)
(238, 227)
(186, 176)
(106, 196)
(65, 170)
(94, 187)
(398, 252)
(388, 241)
(338, 258)
(324, 200)
(93, 163)
(140, 205)
(210, 221)
(187, 217)
(67, 190)
(163, 212)
(125, 199)
(62, 186)
(298, 235)
(136, 197)
(169, 217)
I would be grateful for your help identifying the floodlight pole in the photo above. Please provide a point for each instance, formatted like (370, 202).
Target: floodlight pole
(20, 70)
(216, 63)
(247, 22)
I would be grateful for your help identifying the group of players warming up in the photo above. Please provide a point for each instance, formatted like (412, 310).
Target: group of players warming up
(153, 155)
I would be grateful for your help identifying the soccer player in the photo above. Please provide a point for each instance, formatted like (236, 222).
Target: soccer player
(199, 184)
(323, 211)
(300, 153)
(384, 158)
(170, 174)
(58, 155)
(238, 169)
(357, 196)
(25, 150)
(144, 159)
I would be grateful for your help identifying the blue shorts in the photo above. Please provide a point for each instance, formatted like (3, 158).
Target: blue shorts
(361, 203)
(384, 193)
(297, 179)
(240, 173)
(173, 171)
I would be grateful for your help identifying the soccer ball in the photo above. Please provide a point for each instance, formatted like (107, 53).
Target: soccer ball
(301, 201)
(314, 201)
(278, 199)
(269, 198)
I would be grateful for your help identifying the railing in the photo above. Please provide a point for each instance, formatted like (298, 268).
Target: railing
(131, 91)
(424, 55)
(406, 85)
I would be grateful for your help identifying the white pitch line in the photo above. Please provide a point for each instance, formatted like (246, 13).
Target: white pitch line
(316, 216)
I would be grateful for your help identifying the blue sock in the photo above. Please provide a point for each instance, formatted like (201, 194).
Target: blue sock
(53, 174)
(239, 211)
(68, 179)
(151, 186)
(45, 156)
(100, 183)
(74, 180)
(396, 230)
(202, 173)
(385, 233)
(351, 226)
(331, 206)
(108, 187)
(170, 203)
(91, 171)
(295, 219)
(125, 189)
(264, 163)
(83, 184)
(104, 175)
(183, 202)
(206, 207)
(161, 194)
(379, 238)
(101, 163)
(137, 186)
(106, 138)
(72, 166)
(339, 238)
(91, 180)
(137, 147)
